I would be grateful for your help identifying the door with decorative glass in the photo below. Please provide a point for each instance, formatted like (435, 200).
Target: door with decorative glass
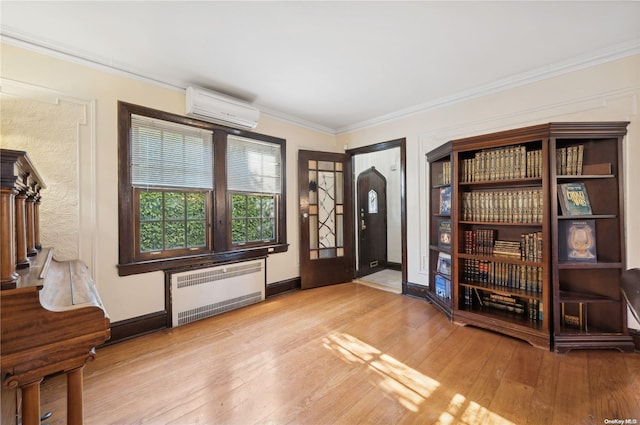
(326, 218)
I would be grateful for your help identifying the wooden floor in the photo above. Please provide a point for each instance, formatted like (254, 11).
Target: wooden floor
(347, 354)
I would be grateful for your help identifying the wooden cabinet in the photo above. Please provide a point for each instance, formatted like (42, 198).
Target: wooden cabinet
(537, 224)
(587, 226)
(501, 226)
(440, 291)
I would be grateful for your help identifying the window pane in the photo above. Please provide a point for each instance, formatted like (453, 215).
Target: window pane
(174, 206)
(238, 206)
(253, 206)
(254, 229)
(196, 206)
(196, 233)
(268, 207)
(151, 236)
(313, 231)
(150, 206)
(174, 234)
(238, 231)
(326, 211)
(268, 229)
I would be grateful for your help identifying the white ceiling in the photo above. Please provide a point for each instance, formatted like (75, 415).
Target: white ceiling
(333, 66)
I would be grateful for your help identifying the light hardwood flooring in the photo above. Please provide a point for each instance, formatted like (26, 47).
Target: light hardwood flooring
(347, 354)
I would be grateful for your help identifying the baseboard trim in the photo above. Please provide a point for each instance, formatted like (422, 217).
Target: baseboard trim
(414, 290)
(137, 326)
(153, 322)
(283, 286)
(394, 266)
(635, 334)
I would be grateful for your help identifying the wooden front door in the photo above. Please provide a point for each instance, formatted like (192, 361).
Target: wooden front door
(326, 218)
(372, 222)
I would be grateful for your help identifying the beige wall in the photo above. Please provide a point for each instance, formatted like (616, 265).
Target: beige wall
(34, 76)
(607, 91)
(53, 145)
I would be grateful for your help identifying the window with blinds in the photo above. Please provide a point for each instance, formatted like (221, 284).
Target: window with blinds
(176, 206)
(253, 182)
(172, 175)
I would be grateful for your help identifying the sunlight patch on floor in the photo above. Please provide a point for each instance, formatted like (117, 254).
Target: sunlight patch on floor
(410, 387)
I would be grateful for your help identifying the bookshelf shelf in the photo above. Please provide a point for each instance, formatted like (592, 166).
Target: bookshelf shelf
(586, 217)
(501, 290)
(589, 266)
(578, 297)
(524, 182)
(437, 248)
(499, 259)
(505, 318)
(501, 223)
(585, 176)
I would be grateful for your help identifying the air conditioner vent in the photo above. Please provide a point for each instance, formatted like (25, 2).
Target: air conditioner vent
(220, 109)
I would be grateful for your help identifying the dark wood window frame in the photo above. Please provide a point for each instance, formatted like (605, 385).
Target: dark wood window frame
(221, 248)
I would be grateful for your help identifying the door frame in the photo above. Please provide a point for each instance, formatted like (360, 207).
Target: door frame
(402, 144)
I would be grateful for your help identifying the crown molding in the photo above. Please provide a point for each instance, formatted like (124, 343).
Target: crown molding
(606, 55)
(17, 39)
(291, 119)
(83, 58)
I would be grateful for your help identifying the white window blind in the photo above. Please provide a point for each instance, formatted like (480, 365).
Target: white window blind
(170, 155)
(253, 165)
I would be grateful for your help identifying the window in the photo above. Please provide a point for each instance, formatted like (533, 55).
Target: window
(172, 178)
(254, 186)
(193, 193)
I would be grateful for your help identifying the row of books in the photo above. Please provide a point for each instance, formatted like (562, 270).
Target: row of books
(522, 307)
(573, 315)
(505, 275)
(569, 160)
(513, 162)
(484, 242)
(444, 177)
(479, 241)
(515, 206)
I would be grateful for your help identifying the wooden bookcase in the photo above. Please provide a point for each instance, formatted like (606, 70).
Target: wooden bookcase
(440, 291)
(521, 264)
(502, 226)
(589, 311)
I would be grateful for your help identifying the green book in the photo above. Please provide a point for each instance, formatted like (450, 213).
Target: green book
(574, 199)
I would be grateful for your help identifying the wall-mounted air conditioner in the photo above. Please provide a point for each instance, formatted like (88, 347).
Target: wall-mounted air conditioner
(219, 109)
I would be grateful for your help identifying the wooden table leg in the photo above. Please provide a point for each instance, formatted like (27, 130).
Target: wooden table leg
(74, 397)
(31, 403)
